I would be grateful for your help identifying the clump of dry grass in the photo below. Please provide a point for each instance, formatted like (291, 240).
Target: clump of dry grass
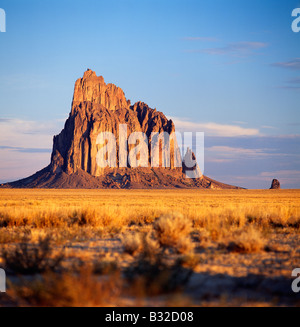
(150, 246)
(274, 217)
(13, 234)
(294, 222)
(282, 222)
(247, 240)
(173, 231)
(184, 245)
(68, 290)
(82, 218)
(155, 274)
(26, 258)
(60, 218)
(220, 217)
(136, 243)
(132, 243)
(189, 261)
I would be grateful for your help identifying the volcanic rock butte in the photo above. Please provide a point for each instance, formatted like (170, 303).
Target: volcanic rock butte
(275, 185)
(100, 107)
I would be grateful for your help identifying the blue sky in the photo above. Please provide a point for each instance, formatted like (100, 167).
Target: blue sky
(228, 68)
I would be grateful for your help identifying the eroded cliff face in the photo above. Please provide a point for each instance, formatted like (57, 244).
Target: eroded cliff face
(92, 88)
(99, 107)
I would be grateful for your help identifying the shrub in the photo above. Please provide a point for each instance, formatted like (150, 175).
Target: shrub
(67, 290)
(247, 241)
(185, 245)
(31, 259)
(132, 243)
(140, 242)
(294, 222)
(82, 218)
(156, 274)
(150, 246)
(172, 229)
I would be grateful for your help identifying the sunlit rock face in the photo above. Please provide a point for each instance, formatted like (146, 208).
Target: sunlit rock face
(99, 108)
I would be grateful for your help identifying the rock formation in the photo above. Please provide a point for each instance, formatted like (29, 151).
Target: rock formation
(99, 107)
(92, 88)
(275, 184)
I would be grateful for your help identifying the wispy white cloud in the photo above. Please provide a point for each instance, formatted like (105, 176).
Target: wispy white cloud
(240, 122)
(17, 133)
(229, 153)
(268, 127)
(281, 173)
(287, 136)
(254, 161)
(288, 87)
(291, 177)
(25, 150)
(233, 152)
(293, 124)
(218, 160)
(225, 154)
(293, 64)
(287, 179)
(292, 84)
(294, 80)
(15, 164)
(25, 146)
(237, 49)
(213, 129)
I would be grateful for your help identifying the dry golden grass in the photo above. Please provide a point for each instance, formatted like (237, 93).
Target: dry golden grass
(118, 208)
(247, 240)
(27, 258)
(133, 243)
(83, 289)
(173, 231)
(237, 232)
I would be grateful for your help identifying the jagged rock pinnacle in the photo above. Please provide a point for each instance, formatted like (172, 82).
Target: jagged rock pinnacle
(92, 88)
(99, 107)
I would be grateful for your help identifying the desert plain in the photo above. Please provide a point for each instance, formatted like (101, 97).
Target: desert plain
(165, 247)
